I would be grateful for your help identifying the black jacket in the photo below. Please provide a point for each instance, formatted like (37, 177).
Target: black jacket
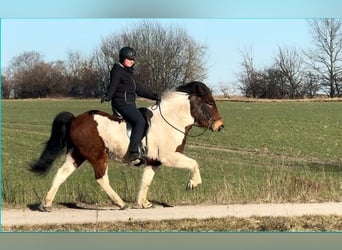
(124, 88)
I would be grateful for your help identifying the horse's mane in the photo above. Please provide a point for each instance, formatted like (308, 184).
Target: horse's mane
(194, 88)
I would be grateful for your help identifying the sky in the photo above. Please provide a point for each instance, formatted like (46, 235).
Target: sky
(224, 39)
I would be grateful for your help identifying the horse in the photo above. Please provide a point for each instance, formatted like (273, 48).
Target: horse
(96, 135)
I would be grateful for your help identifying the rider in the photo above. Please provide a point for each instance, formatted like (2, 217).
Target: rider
(122, 93)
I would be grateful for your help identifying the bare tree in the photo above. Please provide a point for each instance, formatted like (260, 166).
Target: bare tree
(104, 58)
(5, 87)
(326, 57)
(290, 64)
(166, 55)
(250, 78)
(58, 84)
(268, 83)
(27, 74)
(276, 84)
(311, 85)
(83, 77)
(224, 88)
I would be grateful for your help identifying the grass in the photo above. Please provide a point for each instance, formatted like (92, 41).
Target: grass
(291, 128)
(228, 224)
(268, 152)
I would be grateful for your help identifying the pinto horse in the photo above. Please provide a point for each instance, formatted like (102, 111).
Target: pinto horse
(93, 135)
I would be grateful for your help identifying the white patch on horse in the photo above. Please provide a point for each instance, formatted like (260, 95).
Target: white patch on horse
(113, 135)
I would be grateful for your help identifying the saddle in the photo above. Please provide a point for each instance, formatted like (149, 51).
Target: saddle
(147, 114)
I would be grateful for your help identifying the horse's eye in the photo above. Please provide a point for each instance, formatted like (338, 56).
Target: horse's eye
(210, 104)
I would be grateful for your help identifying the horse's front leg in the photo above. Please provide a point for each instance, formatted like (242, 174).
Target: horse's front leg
(179, 160)
(146, 180)
(195, 177)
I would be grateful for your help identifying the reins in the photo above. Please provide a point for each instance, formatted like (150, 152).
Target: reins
(161, 114)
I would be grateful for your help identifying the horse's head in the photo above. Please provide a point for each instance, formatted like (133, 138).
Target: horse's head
(202, 105)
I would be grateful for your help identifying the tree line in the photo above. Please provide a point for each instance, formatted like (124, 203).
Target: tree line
(298, 74)
(169, 56)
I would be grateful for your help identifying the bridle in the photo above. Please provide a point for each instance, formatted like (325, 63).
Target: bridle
(157, 105)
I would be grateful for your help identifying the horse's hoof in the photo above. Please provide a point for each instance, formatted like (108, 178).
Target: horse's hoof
(189, 186)
(43, 208)
(147, 205)
(124, 207)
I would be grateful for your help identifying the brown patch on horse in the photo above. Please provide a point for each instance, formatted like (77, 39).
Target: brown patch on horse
(180, 148)
(78, 158)
(153, 162)
(90, 145)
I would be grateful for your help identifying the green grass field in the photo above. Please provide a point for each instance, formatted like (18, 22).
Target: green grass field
(268, 152)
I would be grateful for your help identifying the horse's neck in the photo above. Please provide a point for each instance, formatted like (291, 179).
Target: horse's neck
(176, 110)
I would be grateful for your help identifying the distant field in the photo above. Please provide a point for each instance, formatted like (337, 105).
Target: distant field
(268, 152)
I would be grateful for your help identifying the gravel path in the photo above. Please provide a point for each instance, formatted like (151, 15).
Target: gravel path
(26, 216)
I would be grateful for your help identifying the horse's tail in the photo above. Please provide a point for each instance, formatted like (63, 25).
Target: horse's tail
(59, 138)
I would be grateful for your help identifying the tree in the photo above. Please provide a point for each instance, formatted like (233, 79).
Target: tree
(104, 58)
(5, 87)
(311, 86)
(290, 63)
(276, 84)
(224, 88)
(83, 78)
(326, 57)
(286, 78)
(26, 74)
(167, 56)
(252, 80)
(57, 80)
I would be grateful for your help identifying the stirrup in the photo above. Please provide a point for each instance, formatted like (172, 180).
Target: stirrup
(137, 162)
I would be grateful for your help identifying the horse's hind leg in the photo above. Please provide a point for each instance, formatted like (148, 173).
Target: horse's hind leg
(104, 183)
(144, 186)
(101, 175)
(62, 174)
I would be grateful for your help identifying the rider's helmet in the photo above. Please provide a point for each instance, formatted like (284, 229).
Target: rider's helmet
(126, 52)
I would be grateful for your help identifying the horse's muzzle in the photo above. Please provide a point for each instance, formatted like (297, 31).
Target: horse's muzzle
(217, 125)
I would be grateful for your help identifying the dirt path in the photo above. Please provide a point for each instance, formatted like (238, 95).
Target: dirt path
(80, 215)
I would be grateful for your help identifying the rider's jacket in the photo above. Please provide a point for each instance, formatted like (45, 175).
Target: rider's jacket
(124, 88)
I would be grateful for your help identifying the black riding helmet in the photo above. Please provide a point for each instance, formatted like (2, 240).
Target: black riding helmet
(126, 52)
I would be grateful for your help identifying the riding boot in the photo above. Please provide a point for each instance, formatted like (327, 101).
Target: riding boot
(135, 159)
